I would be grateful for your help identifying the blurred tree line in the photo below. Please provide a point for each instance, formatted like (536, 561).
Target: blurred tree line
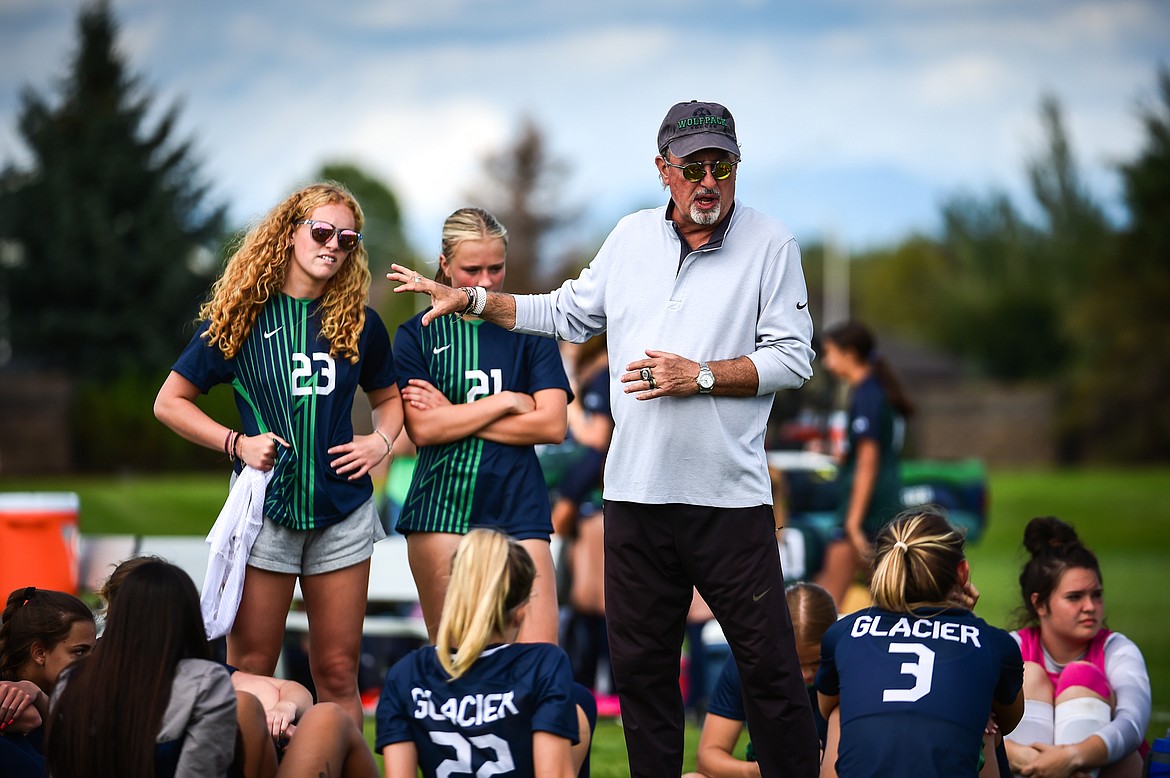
(1065, 298)
(109, 242)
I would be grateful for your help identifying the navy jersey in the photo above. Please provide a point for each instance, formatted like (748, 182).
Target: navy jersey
(582, 481)
(287, 383)
(727, 699)
(595, 394)
(482, 722)
(871, 416)
(473, 481)
(916, 689)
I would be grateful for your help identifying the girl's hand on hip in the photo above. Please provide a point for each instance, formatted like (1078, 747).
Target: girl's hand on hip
(359, 455)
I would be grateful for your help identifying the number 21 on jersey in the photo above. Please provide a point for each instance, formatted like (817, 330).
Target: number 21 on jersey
(480, 379)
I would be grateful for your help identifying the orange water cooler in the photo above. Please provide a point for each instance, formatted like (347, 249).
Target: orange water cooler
(38, 541)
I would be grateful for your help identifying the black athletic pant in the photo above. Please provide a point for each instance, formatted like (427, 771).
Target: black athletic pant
(653, 555)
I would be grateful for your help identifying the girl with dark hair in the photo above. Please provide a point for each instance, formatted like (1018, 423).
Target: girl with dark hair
(196, 708)
(42, 632)
(1086, 689)
(917, 676)
(477, 702)
(869, 477)
(477, 400)
(149, 701)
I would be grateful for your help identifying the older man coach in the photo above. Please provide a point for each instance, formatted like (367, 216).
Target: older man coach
(706, 310)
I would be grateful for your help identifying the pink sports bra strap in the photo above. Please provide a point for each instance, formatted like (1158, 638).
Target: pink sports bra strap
(1032, 650)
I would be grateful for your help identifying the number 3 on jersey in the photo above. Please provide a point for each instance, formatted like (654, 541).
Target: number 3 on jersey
(481, 383)
(922, 669)
(461, 764)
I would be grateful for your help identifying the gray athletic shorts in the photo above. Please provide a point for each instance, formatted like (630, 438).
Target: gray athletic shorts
(310, 552)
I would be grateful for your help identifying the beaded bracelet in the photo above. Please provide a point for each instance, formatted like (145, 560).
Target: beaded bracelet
(227, 452)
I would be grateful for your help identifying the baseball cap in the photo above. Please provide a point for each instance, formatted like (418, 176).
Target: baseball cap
(689, 127)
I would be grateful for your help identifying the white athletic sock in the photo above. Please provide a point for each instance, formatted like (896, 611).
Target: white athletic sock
(1076, 719)
(1036, 726)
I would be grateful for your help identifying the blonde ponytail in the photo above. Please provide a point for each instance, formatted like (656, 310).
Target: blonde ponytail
(918, 556)
(491, 576)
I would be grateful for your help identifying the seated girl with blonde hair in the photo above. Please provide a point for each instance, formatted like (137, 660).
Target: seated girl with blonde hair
(477, 702)
(917, 676)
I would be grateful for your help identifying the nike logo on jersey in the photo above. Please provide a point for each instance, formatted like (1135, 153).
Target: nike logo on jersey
(440, 349)
(268, 335)
(801, 306)
(760, 596)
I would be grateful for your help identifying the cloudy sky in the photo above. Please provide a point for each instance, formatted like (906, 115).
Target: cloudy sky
(856, 117)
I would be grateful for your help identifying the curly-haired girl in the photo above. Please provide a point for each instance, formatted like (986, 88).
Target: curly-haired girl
(288, 327)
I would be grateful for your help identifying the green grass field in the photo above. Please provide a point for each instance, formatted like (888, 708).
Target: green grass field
(1124, 515)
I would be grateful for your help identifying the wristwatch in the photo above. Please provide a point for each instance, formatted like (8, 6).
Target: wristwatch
(706, 379)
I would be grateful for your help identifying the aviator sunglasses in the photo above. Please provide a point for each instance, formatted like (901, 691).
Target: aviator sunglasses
(347, 240)
(695, 171)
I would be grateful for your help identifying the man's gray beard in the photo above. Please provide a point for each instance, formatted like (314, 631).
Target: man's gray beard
(706, 218)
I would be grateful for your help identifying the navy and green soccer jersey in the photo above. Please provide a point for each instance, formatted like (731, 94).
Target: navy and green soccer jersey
(727, 699)
(286, 382)
(916, 689)
(472, 481)
(871, 416)
(482, 722)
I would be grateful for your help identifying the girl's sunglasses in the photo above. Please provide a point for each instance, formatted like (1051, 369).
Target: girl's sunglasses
(695, 171)
(347, 240)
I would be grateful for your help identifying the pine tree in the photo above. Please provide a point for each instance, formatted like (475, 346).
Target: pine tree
(109, 223)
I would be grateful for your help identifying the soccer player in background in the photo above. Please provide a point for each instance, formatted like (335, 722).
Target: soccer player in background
(870, 478)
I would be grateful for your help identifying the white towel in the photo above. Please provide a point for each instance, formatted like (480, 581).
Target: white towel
(231, 540)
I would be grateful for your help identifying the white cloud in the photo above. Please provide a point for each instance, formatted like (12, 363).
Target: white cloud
(940, 95)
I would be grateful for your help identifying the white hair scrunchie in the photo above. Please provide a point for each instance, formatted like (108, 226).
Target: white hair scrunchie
(902, 545)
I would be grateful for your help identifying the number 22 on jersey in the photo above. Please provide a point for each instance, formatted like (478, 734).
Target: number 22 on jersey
(461, 764)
